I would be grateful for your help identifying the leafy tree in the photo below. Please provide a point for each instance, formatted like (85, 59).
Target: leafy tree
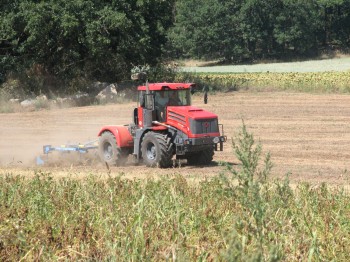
(199, 33)
(334, 22)
(295, 27)
(256, 26)
(238, 30)
(82, 38)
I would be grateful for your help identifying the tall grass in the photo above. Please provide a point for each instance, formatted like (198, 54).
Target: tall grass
(238, 215)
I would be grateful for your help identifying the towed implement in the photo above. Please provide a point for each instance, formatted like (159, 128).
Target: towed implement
(67, 148)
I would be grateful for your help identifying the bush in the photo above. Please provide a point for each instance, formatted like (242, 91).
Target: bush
(11, 89)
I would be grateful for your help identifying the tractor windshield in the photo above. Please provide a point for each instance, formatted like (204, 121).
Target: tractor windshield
(173, 98)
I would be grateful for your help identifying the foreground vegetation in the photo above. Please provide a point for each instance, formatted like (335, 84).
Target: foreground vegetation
(239, 215)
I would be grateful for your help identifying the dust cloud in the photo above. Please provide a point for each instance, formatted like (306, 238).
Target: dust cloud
(23, 135)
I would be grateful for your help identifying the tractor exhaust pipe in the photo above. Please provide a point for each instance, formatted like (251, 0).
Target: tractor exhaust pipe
(149, 108)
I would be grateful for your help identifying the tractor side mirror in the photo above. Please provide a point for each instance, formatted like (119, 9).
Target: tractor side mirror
(193, 89)
(205, 97)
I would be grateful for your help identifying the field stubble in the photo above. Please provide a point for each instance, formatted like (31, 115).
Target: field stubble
(308, 135)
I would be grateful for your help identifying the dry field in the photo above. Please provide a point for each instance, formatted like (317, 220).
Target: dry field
(307, 135)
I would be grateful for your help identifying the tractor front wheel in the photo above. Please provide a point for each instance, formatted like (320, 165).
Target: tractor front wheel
(156, 150)
(109, 150)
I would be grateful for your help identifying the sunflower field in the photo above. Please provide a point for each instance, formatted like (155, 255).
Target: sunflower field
(319, 82)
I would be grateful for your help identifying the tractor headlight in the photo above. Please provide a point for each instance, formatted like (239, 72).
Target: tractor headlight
(216, 140)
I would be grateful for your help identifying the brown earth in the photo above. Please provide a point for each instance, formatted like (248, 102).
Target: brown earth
(308, 136)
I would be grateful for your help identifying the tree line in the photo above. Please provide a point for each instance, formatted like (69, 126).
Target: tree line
(61, 40)
(246, 30)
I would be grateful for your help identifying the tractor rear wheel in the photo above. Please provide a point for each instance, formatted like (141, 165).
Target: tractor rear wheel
(156, 150)
(201, 158)
(109, 150)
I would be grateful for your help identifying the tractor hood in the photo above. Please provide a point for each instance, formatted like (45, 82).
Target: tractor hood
(193, 121)
(190, 112)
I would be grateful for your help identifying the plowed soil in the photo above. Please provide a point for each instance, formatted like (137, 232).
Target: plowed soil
(308, 136)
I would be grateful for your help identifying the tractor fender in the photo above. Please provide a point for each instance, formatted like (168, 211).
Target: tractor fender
(121, 133)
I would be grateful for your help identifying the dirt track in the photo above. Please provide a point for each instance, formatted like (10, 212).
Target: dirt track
(307, 135)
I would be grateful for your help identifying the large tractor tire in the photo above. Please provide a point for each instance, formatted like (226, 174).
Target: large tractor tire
(109, 150)
(204, 157)
(156, 150)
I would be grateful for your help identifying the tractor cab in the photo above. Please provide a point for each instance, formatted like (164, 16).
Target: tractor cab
(155, 98)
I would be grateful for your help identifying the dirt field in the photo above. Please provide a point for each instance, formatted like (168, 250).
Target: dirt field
(307, 135)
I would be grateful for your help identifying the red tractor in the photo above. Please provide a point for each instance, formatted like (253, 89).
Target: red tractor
(164, 124)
